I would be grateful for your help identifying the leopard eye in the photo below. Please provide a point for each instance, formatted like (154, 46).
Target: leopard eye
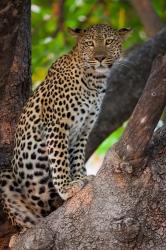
(90, 43)
(109, 41)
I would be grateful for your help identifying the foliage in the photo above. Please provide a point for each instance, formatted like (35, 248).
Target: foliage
(109, 141)
(50, 20)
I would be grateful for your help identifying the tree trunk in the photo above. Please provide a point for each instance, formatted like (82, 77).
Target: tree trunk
(15, 80)
(124, 207)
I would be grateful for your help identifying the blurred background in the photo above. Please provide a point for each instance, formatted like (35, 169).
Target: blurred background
(50, 37)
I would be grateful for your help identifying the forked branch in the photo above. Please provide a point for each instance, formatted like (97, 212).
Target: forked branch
(133, 145)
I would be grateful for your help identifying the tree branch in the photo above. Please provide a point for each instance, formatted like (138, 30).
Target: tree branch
(125, 86)
(148, 16)
(60, 21)
(133, 145)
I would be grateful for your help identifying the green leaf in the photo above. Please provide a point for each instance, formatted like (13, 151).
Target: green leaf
(113, 138)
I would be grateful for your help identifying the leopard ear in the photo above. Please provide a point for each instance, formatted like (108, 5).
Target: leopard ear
(75, 32)
(125, 32)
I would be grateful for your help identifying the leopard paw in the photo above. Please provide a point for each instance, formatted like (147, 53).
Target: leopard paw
(73, 188)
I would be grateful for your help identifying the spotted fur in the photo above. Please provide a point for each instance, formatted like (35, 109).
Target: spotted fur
(50, 139)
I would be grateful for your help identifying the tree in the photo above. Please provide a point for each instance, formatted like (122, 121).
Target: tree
(148, 16)
(15, 81)
(15, 89)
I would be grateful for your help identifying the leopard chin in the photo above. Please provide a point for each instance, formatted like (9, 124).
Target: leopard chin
(102, 70)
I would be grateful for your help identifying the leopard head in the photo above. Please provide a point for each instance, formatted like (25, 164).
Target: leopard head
(99, 46)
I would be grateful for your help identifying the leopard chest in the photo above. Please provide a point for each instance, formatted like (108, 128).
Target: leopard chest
(85, 115)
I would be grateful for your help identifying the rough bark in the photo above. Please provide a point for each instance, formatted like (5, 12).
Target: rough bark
(119, 209)
(15, 80)
(134, 142)
(125, 86)
(149, 18)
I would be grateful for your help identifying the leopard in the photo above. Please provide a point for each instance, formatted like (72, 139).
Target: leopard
(48, 164)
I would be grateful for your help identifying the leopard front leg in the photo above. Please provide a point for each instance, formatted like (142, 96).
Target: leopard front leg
(58, 156)
(77, 157)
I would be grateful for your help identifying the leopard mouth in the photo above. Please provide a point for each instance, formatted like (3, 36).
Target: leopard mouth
(104, 66)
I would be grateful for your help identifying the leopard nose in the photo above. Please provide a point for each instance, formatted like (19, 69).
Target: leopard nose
(100, 58)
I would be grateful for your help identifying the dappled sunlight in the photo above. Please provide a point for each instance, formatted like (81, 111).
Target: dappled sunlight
(96, 160)
(94, 164)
